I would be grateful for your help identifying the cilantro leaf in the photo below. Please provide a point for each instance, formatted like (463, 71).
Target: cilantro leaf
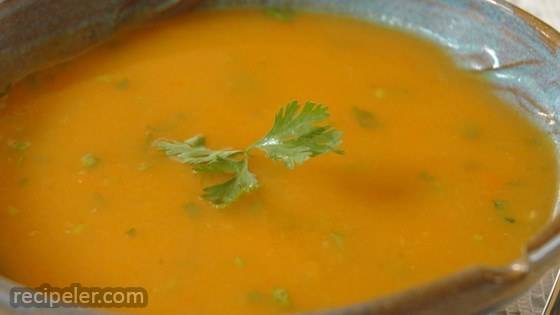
(194, 152)
(223, 194)
(297, 136)
(203, 160)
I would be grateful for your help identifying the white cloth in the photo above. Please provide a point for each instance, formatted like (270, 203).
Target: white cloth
(546, 10)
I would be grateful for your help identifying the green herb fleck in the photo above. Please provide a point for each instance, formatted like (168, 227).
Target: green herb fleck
(296, 136)
(365, 118)
(239, 262)
(281, 14)
(19, 145)
(131, 232)
(122, 84)
(255, 297)
(281, 297)
(536, 141)
(13, 211)
(501, 207)
(117, 81)
(192, 209)
(98, 200)
(23, 182)
(510, 220)
(89, 161)
(431, 181)
(427, 177)
(500, 204)
(75, 229)
(471, 131)
(337, 239)
(478, 238)
(380, 93)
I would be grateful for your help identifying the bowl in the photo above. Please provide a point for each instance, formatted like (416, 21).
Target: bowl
(518, 53)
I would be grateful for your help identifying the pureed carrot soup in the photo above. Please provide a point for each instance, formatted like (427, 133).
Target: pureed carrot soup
(437, 174)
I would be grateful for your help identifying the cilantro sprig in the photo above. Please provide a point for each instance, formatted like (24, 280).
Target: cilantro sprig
(297, 135)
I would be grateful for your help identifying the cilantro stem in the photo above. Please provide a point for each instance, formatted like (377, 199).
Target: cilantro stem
(298, 134)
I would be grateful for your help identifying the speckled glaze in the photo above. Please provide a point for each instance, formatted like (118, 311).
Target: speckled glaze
(517, 52)
(35, 34)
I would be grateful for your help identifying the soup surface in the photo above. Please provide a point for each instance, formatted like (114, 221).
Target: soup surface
(438, 174)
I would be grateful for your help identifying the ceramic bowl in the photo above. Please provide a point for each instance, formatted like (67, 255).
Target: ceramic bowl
(516, 51)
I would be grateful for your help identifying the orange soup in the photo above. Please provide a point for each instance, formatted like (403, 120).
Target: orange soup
(437, 175)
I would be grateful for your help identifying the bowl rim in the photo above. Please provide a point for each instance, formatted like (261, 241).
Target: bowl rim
(550, 33)
(541, 253)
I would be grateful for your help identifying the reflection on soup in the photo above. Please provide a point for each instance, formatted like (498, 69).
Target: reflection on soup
(438, 174)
